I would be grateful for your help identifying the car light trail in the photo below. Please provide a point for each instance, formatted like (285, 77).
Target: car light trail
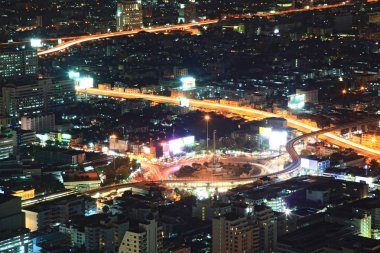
(240, 110)
(82, 39)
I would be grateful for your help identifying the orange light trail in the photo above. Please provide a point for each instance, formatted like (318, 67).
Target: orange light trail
(235, 109)
(82, 39)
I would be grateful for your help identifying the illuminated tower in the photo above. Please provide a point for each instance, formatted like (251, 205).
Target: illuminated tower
(129, 15)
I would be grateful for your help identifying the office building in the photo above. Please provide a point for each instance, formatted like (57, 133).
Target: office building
(25, 137)
(17, 63)
(143, 237)
(41, 96)
(129, 15)
(39, 123)
(96, 233)
(14, 237)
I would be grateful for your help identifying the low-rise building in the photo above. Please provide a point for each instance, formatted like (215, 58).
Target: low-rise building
(42, 215)
(314, 165)
(64, 156)
(81, 181)
(14, 237)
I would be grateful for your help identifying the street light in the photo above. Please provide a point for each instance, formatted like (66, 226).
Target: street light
(207, 118)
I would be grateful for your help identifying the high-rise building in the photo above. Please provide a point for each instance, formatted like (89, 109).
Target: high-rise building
(233, 233)
(146, 237)
(14, 237)
(268, 228)
(17, 63)
(129, 15)
(42, 96)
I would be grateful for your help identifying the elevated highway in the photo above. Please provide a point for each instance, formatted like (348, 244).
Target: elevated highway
(82, 39)
(245, 111)
(75, 40)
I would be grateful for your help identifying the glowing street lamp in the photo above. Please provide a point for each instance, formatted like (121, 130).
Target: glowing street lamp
(207, 118)
(344, 91)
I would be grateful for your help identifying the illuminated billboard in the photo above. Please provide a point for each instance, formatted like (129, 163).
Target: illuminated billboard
(176, 146)
(296, 101)
(85, 82)
(265, 131)
(74, 75)
(276, 137)
(188, 83)
(35, 43)
(184, 102)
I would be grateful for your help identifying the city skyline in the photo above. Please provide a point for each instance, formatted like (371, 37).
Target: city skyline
(189, 126)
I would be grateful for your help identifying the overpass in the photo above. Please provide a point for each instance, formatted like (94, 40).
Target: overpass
(247, 111)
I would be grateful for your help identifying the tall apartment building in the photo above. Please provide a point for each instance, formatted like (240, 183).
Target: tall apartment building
(17, 63)
(233, 233)
(39, 123)
(14, 237)
(41, 96)
(96, 233)
(267, 224)
(129, 15)
(146, 237)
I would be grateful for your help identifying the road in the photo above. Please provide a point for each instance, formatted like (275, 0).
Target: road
(298, 124)
(82, 39)
(75, 40)
(196, 182)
